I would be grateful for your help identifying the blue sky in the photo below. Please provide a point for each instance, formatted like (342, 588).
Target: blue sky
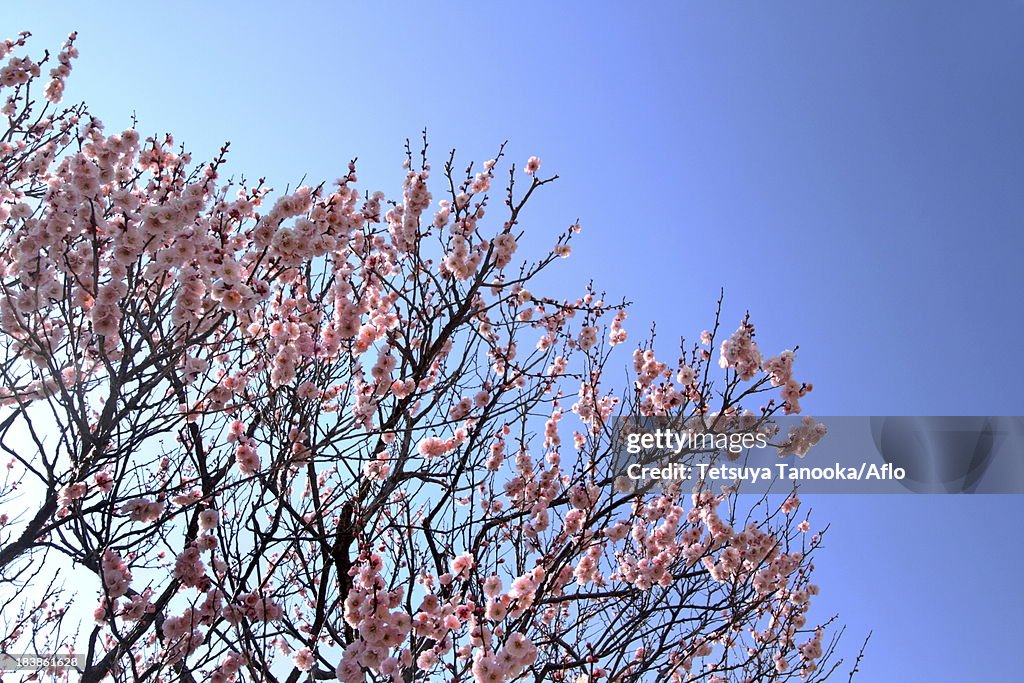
(850, 172)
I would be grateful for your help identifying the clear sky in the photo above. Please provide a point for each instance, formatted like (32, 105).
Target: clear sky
(851, 172)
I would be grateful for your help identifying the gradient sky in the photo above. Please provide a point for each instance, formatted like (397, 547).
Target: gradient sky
(850, 172)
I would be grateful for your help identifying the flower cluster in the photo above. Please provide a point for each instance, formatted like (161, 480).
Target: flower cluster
(740, 352)
(116, 575)
(375, 614)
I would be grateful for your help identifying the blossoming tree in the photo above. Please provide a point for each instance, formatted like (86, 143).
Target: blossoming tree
(332, 435)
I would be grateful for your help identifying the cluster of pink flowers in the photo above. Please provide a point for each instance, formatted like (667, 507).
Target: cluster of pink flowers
(182, 635)
(740, 352)
(435, 446)
(532, 489)
(73, 492)
(594, 411)
(116, 575)
(143, 510)
(464, 257)
(7, 45)
(246, 456)
(18, 71)
(228, 669)
(441, 621)
(137, 606)
(505, 664)
(744, 552)
(587, 338)
(59, 74)
(780, 370)
(495, 454)
(434, 619)
(404, 219)
(774, 576)
(552, 439)
(647, 368)
(461, 566)
(209, 519)
(810, 651)
(618, 333)
(304, 659)
(253, 606)
(189, 568)
(504, 249)
(377, 617)
(803, 437)
(654, 532)
(588, 568)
